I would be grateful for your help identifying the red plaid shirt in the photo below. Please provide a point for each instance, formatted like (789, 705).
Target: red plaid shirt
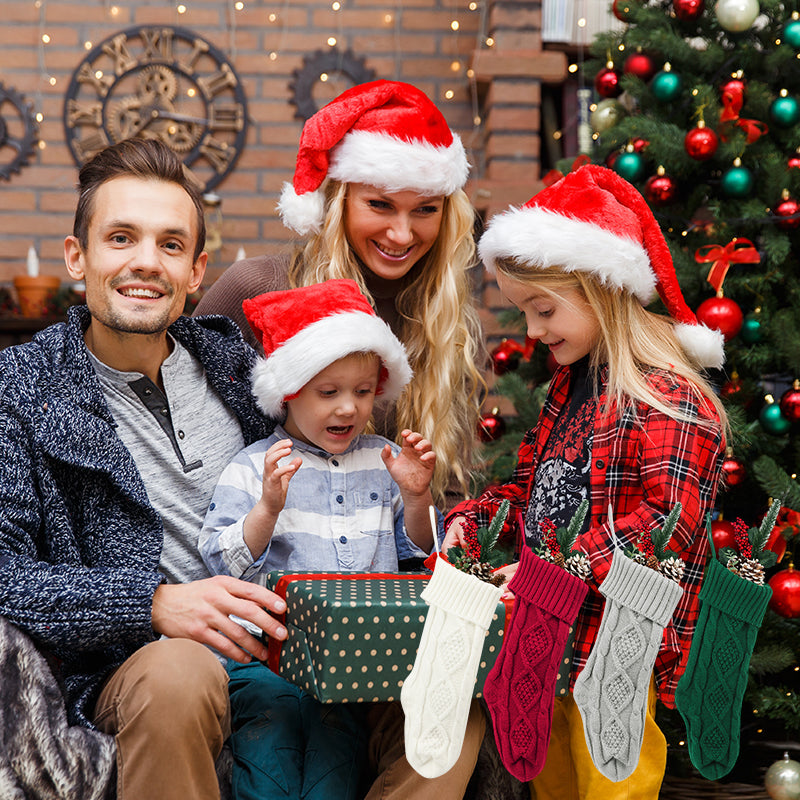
(641, 468)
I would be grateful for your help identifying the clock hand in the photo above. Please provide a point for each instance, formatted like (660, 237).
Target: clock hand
(173, 115)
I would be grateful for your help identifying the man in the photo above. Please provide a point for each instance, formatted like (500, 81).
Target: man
(114, 428)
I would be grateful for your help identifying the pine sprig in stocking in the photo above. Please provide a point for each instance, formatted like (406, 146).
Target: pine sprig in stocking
(482, 555)
(651, 549)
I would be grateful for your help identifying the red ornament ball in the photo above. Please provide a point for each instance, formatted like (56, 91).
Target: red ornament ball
(785, 598)
(688, 10)
(491, 427)
(621, 9)
(721, 314)
(734, 471)
(794, 161)
(640, 65)
(731, 387)
(506, 356)
(790, 403)
(639, 145)
(785, 210)
(722, 534)
(660, 190)
(606, 82)
(701, 143)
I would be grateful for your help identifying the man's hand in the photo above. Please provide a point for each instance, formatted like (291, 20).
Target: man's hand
(200, 611)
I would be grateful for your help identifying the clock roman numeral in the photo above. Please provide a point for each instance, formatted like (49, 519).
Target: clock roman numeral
(220, 154)
(101, 83)
(89, 113)
(117, 49)
(226, 117)
(157, 44)
(220, 80)
(85, 148)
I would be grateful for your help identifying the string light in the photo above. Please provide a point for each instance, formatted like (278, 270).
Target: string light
(336, 6)
(181, 9)
(331, 41)
(449, 94)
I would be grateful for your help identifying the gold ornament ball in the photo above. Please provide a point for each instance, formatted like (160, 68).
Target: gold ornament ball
(782, 780)
(606, 115)
(736, 15)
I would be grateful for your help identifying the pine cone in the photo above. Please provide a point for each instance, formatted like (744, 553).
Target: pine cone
(672, 568)
(481, 570)
(752, 570)
(578, 565)
(558, 558)
(652, 562)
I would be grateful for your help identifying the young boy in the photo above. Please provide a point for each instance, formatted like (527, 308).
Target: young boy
(346, 501)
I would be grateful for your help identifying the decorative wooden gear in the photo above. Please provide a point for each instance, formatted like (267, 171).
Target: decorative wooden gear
(325, 62)
(18, 131)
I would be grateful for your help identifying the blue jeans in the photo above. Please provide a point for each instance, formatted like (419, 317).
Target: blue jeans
(286, 744)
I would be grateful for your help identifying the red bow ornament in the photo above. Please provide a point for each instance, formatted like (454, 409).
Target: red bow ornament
(737, 251)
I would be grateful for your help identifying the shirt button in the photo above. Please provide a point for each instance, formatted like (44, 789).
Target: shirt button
(164, 412)
(334, 462)
(600, 463)
(148, 391)
(339, 499)
(181, 434)
(373, 496)
(343, 539)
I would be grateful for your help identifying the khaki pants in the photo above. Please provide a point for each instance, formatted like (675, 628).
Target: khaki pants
(397, 779)
(167, 706)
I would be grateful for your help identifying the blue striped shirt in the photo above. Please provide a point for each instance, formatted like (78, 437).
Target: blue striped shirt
(342, 512)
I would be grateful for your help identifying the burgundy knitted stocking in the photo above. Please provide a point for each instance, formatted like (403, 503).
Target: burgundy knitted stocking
(520, 688)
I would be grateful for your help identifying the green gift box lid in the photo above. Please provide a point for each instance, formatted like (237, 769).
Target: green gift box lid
(353, 637)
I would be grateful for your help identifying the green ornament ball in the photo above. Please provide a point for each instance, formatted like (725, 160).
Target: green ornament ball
(791, 34)
(607, 114)
(752, 331)
(737, 182)
(773, 421)
(667, 86)
(630, 166)
(785, 111)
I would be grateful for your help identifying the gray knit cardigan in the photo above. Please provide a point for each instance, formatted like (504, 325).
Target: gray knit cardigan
(79, 540)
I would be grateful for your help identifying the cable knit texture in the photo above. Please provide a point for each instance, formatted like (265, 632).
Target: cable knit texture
(437, 693)
(520, 687)
(611, 691)
(709, 695)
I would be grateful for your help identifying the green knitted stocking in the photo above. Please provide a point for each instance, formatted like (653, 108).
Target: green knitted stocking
(709, 695)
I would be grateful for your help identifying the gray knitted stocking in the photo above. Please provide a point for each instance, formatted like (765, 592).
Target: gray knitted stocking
(611, 691)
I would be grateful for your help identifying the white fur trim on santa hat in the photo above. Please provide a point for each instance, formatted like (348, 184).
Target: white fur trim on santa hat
(705, 345)
(397, 165)
(292, 365)
(548, 239)
(302, 213)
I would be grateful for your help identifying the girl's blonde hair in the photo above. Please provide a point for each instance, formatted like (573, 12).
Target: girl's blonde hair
(633, 341)
(439, 328)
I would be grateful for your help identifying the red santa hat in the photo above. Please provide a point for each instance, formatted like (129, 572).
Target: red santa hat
(383, 133)
(592, 220)
(305, 330)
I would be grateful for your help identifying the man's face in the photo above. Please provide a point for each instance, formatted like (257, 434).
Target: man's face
(139, 264)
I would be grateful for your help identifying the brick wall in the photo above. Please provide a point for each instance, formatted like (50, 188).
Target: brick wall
(268, 45)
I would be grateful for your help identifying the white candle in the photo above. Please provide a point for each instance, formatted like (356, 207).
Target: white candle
(240, 254)
(33, 262)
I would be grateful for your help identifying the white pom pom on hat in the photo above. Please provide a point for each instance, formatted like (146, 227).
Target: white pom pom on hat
(305, 330)
(594, 221)
(382, 133)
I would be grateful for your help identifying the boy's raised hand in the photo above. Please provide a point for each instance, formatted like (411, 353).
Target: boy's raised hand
(275, 483)
(412, 467)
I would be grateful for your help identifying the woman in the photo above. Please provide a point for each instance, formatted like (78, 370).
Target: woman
(377, 190)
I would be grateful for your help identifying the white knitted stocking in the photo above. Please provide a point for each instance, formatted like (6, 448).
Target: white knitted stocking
(437, 693)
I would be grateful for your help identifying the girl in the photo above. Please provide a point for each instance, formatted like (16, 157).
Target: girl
(629, 423)
(378, 190)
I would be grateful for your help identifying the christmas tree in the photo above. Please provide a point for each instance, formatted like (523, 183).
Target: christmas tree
(698, 105)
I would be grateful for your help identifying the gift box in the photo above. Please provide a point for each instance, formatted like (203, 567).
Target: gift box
(353, 637)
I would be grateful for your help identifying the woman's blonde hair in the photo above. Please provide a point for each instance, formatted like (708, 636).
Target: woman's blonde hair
(633, 341)
(439, 327)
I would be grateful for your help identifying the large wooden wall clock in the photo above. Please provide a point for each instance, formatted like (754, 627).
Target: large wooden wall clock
(159, 81)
